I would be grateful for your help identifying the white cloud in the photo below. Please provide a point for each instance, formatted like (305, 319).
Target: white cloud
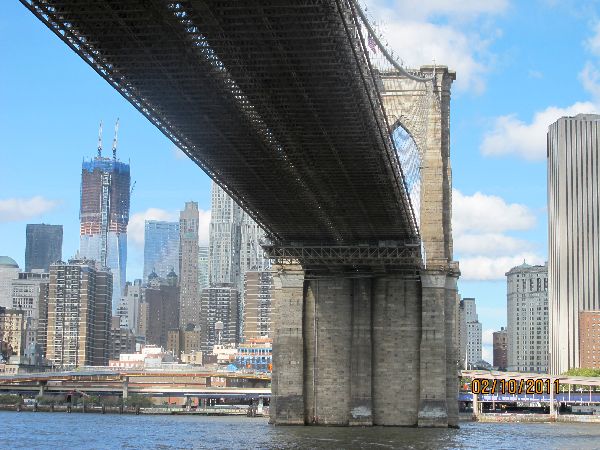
(491, 244)
(481, 213)
(487, 337)
(487, 353)
(465, 9)
(419, 43)
(511, 135)
(413, 30)
(135, 229)
(593, 43)
(16, 209)
(590, 79)
(494, 268)
(479, 222)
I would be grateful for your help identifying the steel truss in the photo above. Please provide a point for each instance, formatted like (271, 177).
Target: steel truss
(308, 256)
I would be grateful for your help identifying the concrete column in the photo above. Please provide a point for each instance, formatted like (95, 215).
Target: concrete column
(475, 406)
(328, 346)
(433, 411)
(452, 373)
(396, 333)
(125, 387)
(552, 407)
(287, 403)
(361, 404)
(42, 385)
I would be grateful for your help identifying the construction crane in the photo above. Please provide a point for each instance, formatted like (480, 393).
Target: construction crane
(100, 141)
(114, 147)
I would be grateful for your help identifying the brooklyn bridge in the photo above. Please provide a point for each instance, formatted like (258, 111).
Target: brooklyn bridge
(300, 112)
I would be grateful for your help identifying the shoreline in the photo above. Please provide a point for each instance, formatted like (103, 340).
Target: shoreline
(228, 412)
(79, 409)
(535, 418)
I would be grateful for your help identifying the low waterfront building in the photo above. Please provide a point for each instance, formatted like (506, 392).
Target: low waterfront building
(194, 358)
(150, 356)
(255, 354)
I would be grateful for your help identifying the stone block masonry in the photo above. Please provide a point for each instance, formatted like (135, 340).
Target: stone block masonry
(364, 351)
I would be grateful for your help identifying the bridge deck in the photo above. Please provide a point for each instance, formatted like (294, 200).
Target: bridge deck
(275, 102)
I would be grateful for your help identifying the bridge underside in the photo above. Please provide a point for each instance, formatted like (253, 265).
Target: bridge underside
(276, 102)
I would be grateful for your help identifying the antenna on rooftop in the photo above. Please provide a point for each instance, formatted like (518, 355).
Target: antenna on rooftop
(100, 141)
(115, 140)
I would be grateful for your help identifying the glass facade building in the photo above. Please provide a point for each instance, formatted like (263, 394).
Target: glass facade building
(43, 246)
(161, 248)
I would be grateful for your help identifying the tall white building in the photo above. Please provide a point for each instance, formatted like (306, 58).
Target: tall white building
(9, 271)
(469, 334)
(224, 239)
(574, 232)
(527, 304)
(234, 245)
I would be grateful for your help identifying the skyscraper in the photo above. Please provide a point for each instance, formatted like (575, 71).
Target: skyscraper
(78, 291)
(224, 239)
(234, 245)
(527, 304)
(470, 334)
(203, 268)
(220, 322)
(189, 302)
(257, 309)
(161, 248)
(43, 246)
(104, 214)
(574, 230)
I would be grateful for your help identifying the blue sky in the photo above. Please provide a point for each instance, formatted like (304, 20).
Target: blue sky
(520, 66)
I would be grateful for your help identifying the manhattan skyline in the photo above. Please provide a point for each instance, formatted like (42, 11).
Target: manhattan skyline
(505, 97)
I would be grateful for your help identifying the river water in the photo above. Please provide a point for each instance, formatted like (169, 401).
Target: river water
(60, 430)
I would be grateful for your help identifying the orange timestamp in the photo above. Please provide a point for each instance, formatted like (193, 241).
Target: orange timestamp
(513, 386)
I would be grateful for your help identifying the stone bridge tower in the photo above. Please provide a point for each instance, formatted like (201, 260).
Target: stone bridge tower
(370, 350)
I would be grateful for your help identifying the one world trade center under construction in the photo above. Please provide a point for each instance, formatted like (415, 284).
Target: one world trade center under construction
(104, 214)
